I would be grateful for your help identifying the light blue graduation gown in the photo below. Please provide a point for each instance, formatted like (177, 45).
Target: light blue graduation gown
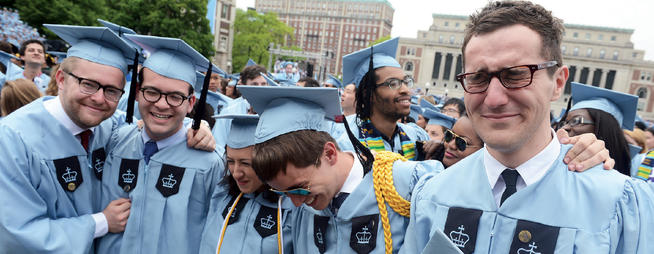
(357, 223)
(597, 211)
(170, 196)
(414, 132)
(220, 129)
(250, 228)
(124, 100)
(49, 183)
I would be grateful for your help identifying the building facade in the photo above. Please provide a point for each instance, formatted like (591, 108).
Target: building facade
(599, 56)
(332, 27)
(223, 31)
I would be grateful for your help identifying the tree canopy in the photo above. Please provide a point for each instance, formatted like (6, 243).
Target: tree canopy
(253, 33)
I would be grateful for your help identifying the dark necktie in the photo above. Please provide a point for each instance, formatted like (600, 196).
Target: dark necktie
(84, 137)
(338, 201)
(150, 149)
(510, 177)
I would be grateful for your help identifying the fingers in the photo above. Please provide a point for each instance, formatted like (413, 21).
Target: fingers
(191, 141)
(609, 164)
(595, 159)
(582, 146)
(563, 136)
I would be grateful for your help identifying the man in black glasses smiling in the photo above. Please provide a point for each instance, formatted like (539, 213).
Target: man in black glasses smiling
(517, 194)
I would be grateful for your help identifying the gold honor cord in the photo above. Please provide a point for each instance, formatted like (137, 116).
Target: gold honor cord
(229, 215)
(385, 192)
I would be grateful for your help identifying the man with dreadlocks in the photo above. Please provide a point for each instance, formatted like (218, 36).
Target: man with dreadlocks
(382, 98)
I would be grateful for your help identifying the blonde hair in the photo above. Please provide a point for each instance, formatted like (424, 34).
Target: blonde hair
(53, 89)
(17, 93)
(639, 136)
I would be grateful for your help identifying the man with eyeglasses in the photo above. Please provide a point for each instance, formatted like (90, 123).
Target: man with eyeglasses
(519, 196)
(381, 101)
(168, 183)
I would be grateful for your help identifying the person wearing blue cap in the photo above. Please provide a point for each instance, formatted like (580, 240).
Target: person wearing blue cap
(416, 116)
(52, 151)
(382, 98)
(605, 113)
(32, 54)
(289, 73)
(333, 82)
(519, 196)
(168, 183)
(336, 192)
(244, 215)
(437, 124)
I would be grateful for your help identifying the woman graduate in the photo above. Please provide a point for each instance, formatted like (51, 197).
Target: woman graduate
(244, 216)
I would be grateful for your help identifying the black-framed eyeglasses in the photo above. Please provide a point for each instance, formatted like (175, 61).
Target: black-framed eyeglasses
(512, 77)
(459, 141)
(576, 121)
(395, 83)
(153, 95)
(90, 87)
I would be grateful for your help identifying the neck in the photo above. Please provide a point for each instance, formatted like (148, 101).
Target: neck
(159, 137)
(349, 111)
(31, 71)
(383, 124)
(518, 154)
(344, 164)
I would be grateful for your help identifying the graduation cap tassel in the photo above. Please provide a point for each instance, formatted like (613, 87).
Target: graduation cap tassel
(199, 110)
(364, 154)
(565, 115)
(132, 89)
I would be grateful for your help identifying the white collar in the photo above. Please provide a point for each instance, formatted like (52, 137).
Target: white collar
(532, 170)
(179, 136)
(354, 178)
(56, 109)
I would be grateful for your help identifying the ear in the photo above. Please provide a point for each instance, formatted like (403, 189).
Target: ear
(330, 151)
(560, 79)
(59, 78)
(191, 101)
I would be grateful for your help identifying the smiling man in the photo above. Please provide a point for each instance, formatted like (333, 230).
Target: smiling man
(32, 54)
(519, 195)
(381, 101)
(168, 183)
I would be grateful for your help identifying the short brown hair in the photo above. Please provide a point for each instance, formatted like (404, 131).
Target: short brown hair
(301, 148)
(501, 14)
(251, 72)
(17, 93)
(23, 46)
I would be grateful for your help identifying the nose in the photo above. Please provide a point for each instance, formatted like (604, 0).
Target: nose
(162, 103)
(237, 171)
(98, 96)
(495, 94)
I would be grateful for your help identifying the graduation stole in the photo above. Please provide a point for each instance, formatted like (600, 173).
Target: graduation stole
(280, 240)
(645, 168)
(372, 138)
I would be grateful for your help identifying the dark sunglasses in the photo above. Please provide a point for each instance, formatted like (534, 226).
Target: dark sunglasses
(460, 143)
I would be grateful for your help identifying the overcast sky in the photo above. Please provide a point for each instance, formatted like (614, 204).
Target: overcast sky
(413, 15)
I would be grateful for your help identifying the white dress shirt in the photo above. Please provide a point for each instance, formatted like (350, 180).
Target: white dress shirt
(530, 172)
(354, 178)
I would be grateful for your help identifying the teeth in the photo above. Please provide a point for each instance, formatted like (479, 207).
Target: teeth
(160, 116)
(310, 200)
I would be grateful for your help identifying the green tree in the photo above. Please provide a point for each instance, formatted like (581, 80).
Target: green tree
(380, 40)
(253, 33)
(39, 12)
(184, 19)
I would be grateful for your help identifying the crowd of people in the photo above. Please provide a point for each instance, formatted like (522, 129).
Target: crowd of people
(169, 154)
(14, 30)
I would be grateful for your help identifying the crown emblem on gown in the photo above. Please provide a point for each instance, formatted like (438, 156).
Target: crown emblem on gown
(363, 236)
(128, 177)
(532, 246)
(69, 176)
(319, 237)
(99, 164)
(459, 238)
(169, 182)
(267, 222)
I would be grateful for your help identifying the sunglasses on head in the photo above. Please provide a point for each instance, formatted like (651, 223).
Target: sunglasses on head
(461, 144)
(296, 191)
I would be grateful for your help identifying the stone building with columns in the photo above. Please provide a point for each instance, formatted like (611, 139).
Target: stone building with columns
(599, 56)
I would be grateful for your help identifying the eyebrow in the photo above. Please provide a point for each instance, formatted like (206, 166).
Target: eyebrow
(298, 186)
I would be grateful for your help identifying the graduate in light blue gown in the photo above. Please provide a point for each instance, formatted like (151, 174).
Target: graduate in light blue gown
(338, 210)
(255, 215)
(437, 125)
(516, 195)
(168, 183)
(11, 68)
(383, 101)
(33, 58)
(52, 150)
